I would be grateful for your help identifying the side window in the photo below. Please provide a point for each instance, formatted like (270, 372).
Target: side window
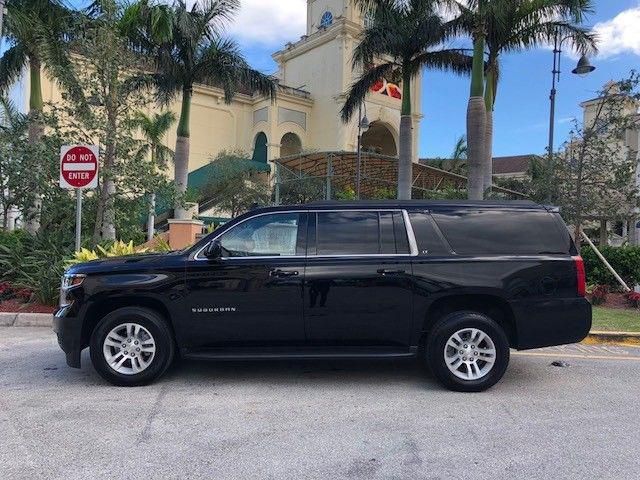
(348, 233)
(427, 237)
(393, 234)
(272, 235)
(495, 232)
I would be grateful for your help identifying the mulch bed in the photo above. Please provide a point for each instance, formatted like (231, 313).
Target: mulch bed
(14, 306)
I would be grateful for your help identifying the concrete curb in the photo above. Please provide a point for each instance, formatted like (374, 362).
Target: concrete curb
(26, 320)
(617, 338)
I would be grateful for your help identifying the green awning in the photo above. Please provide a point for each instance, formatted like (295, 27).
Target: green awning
(200, 177)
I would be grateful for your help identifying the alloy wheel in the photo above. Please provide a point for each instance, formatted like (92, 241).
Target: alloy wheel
(470, 354)
(129, 348)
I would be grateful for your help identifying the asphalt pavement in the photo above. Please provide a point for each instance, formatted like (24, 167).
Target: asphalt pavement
(318, 419)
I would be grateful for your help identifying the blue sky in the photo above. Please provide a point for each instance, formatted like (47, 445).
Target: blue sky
(522, 108)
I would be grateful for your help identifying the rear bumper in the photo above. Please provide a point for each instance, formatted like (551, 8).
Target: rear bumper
(551, 322)
(69, 331)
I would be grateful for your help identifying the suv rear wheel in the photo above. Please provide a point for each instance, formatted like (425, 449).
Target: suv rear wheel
(467, 352)
(131, 346)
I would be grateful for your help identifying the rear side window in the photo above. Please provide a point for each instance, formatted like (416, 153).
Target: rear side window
(361, 233)
(497, 232)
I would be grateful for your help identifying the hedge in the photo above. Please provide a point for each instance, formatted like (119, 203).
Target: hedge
(625, 261)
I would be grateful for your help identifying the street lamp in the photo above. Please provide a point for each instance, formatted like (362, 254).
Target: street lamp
(583, 68)
(363, 126)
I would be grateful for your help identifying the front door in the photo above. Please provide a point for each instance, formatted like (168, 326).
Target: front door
(253, 295)
(358, 279)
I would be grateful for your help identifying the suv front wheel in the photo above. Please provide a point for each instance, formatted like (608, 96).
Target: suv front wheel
(467, 351)
(131, 346)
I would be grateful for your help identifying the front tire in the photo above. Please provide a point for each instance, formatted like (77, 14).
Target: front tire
(132, 346)
(467, 352)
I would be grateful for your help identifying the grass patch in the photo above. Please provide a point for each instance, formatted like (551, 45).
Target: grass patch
(616, 320)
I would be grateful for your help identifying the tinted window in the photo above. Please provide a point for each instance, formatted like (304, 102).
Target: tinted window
(266, 235)
(495, 232)
(427, 237)
(348, 233)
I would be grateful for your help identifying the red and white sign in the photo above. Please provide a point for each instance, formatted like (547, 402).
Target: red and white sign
(79, 166)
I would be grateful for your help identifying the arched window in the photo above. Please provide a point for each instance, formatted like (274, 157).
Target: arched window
(290, 145)
(326, 20)
(260, 148)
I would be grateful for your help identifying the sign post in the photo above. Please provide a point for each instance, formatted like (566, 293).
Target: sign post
(79, 171)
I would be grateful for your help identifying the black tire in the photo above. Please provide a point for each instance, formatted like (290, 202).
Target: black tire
(155, 324)
(437, 342)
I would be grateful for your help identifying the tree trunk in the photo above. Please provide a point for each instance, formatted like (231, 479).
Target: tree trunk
(476, 130)
(489, 100)
(181, 162)
(405, 157)
(35, 132)
(604, 235)
(106, 213)
(476, 123)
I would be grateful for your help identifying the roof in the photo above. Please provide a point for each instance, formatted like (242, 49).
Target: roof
(512, 164)
(426, 204)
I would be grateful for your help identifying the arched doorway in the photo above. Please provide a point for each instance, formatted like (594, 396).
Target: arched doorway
(379, 139)
(290, 145)
(260, 148)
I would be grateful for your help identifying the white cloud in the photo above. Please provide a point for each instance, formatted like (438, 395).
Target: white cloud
(621, 34)
(270, 22)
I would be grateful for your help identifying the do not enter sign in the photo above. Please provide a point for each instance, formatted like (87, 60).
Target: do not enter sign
(79, 166)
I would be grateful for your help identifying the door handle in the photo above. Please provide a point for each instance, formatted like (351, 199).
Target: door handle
(282, 274)
(383, 272)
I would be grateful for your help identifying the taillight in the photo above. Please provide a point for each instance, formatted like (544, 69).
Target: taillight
(581, 277)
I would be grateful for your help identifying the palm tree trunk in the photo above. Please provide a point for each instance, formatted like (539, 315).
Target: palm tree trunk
(489, 100)
(105, 228)
(476, 123)
(35, 132)
(405, 159)
(181, 175)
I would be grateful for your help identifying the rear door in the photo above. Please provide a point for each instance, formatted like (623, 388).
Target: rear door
(358, 278)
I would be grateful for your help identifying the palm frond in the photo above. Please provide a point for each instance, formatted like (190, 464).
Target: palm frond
(449, 60)
(11, 64)
(360, 89)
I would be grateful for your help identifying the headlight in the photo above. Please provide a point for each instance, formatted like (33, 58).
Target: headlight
(69, 281)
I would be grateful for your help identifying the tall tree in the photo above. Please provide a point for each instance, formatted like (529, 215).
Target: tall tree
(512, 26)
(35, 30)
(404, 38)
(198, 53)
(154, 129)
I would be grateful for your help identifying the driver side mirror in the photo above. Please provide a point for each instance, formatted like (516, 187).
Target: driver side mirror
(213, 250)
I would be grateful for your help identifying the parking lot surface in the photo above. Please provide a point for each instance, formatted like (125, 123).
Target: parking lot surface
(318, 419)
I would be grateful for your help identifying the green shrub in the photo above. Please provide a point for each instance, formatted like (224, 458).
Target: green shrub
(624, 260)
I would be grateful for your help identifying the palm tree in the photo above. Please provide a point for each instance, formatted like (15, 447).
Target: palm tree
(512, 26)
(35, 30)
(403, 38)
(154, 129)
(197, 53)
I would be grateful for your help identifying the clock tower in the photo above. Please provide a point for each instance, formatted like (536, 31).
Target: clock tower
(320, 62)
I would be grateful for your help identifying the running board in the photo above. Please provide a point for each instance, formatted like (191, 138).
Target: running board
(276, 353)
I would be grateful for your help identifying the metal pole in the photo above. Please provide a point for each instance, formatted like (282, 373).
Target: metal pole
(606, 264)
(359, 152)
(151, 221)
(329, 173)
(78, 219)
(552, 98)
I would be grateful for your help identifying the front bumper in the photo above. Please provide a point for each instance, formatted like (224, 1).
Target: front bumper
(69, 331)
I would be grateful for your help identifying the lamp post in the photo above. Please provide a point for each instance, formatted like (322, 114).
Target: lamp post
(363, 126)
(583, 68)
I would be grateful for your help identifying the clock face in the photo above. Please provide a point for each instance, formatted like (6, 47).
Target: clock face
(326, 20)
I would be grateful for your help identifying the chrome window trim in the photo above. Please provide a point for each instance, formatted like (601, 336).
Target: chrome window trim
(413, 248)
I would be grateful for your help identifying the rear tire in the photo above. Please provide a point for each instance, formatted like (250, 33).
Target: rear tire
(467, 352)
(132, 346)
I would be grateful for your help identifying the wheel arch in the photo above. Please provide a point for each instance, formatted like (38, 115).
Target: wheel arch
(495, 307)
(99, 309)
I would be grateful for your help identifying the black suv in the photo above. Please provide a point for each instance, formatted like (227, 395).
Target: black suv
(454, 283)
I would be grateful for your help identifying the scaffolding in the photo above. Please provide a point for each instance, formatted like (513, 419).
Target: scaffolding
(337, 175)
